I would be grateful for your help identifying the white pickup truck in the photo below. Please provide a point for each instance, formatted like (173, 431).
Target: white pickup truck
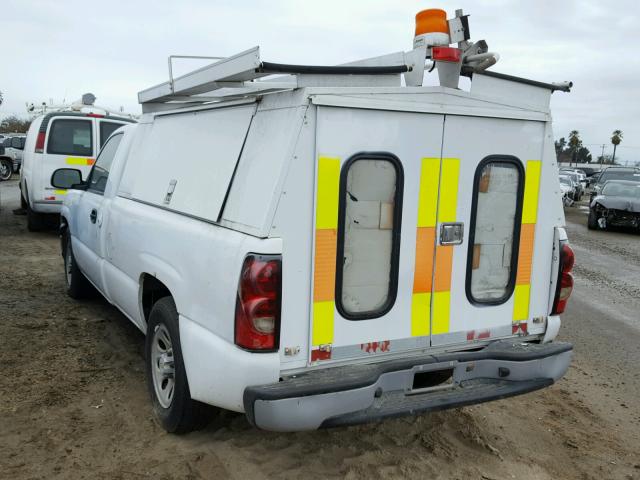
(332, 250)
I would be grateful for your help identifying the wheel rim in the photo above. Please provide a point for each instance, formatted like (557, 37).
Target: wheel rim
(68, 264)
(162, 366)
(5, 171)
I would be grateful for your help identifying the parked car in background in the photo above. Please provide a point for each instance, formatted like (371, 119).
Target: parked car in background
(14, 148)
(579, 188)
(11, 148)
(589, 169)
(617, 204)
(614, 173)
(567, 189)
(6, 165)
(582, 177)
(571, 180)
(54, 140)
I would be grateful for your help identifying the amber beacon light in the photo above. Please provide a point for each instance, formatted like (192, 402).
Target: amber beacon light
(432, 28)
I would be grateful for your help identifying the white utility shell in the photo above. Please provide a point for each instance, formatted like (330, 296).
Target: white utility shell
(192, 191)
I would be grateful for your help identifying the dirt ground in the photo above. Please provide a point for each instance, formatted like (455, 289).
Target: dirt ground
(73, 402)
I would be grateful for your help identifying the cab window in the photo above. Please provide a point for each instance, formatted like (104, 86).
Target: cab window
(495, 230)
(100, 172)
(368, 235)
(70, 137)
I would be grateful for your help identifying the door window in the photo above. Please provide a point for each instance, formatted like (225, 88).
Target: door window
(368, 235)
(494, 230)
(70, 137)
(100, 172)
(106, 129)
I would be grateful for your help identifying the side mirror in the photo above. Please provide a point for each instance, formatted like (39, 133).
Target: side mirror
(66, 178)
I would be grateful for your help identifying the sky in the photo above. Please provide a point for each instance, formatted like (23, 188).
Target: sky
(59, 49)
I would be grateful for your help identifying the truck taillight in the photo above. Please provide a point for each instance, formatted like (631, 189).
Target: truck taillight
(257, 322)
(565, 279)
(40, 142)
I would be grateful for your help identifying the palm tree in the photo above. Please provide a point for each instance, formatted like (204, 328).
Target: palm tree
(574, 142)
(616, 138)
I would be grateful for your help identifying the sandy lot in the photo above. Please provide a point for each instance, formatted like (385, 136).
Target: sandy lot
(73, 402)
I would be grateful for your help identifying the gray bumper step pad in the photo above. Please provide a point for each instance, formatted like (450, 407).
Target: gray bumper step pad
(471, 392)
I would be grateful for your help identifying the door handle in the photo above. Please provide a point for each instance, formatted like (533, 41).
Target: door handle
(93, 216)
(451, 233)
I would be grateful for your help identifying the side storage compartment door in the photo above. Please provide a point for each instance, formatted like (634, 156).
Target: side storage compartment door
(188, 159)
(376, 191)
(488, 237)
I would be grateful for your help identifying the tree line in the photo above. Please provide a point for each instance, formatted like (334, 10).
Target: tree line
(573, 151)
(14, 124)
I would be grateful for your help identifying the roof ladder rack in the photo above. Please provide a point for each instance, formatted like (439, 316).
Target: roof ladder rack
(239, 75)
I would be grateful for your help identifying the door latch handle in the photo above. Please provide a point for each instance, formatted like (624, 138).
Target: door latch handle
(451, 233)
(93, 216)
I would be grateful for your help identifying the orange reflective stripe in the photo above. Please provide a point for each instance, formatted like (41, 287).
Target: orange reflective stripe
(324, 274)
(425, 239)
(525, 253)
(444, 264)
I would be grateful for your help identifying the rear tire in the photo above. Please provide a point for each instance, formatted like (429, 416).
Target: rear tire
(167, 382)
(35, 221)
(78, 286)
(6, 169)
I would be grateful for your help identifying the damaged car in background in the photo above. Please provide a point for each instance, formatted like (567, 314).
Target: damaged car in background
(618, 204)
(614, 173)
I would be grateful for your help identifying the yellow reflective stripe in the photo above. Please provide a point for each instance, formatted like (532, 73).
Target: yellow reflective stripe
(323, 322)
(449, 190)
(420, 314)
(60, 192)
(521, 303)
(328, 191)
(531, 189)
(327, 198)
(441, 307)
(428, 196)
(80, 161)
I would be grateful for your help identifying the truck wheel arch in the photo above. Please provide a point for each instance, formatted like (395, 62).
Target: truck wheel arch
(152, 289)
(64, 228)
